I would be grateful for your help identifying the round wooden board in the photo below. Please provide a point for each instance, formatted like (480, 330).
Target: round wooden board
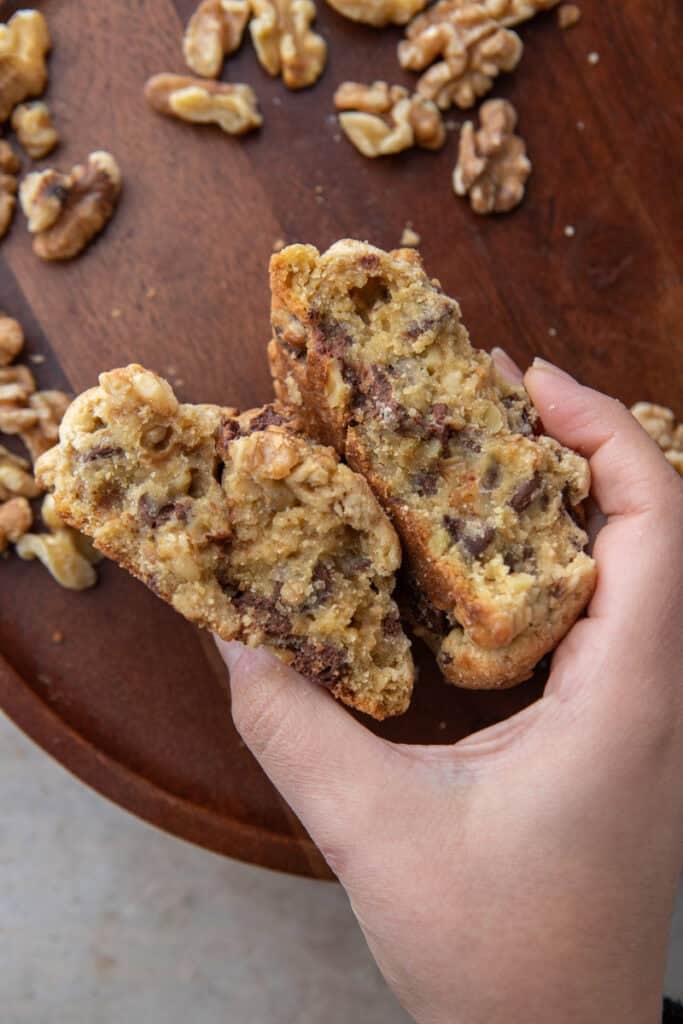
(134, 700)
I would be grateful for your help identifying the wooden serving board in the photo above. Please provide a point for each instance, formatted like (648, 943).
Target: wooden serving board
(134, 700)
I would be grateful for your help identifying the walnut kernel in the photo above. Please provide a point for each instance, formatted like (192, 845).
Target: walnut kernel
(380, 119)
(568, 15)
(512, 12)
(492, 166)
(16, 385)
(67, 556)
(474, 49)
(66, 212)
(410, 239)
(16, 479)
(213, 32)
(11, 339)
(33, 126)
(9, 168)
(15, 520)
(661, 425)
(24, 43)
(285, 43)
(379, 12)
(50, 407)
(234, 108)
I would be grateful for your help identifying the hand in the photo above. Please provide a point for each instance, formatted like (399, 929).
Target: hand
(527, 873)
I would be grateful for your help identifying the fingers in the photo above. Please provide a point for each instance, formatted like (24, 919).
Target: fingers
(506, 367)
(331, 770)
(629, 472)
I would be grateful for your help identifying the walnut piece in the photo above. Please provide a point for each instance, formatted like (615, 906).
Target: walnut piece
(11, 339)
(382, 119)
(474, 48)
(568, 15)
(9, 169)
(492, 167)
(32, 123)
(16, 386)
(15, 520)
(24, 44)
(410, 239)
(510, 12)
(234, 108)
(379, 12)
(49, 407)
(285, 43)
(661, 425)
(214, 31)
(68, 557)
(16, 479)
(67, 211)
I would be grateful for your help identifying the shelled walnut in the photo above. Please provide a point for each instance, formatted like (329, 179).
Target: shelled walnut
(660, 423)
(214, 31)
(492, 167)
(506, 12)
(10, 166)
(49, 407)
(16, 386)
(285, 43)
(68, 557)
(379, 12)
(11, 339)
(32, 124)
(474, 48)
(24, 44)
(66, 212)
(16, 478)
(15, 520)
(380, 119)
(234, 108)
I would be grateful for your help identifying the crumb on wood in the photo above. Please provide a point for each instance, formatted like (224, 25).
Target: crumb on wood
(570, 230)
(568, 15)
(37, 358)
(580, 126)
(279, 244)
(593, 57)
(552, 331)
(151, 293)
(115, 313)
(410, 237)
(57, 637)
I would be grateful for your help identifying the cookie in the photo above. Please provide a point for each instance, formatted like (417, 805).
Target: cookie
(243, 525)
(376, 360)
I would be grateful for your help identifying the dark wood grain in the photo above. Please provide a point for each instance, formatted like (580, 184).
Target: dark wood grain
(134, 701)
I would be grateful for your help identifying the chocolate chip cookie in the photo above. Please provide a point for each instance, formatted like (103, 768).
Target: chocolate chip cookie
(243, 525)
(377, 361)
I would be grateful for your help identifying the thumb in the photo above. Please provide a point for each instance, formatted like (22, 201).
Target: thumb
(330, 769)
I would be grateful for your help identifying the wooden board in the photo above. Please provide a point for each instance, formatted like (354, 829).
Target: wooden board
(134, 701)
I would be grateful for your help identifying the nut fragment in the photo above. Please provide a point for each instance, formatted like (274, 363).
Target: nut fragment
(379, 12)
(213, 32)
(66, 555)
(9, 168)
(66, 211)
(15, 520)
(32, 123)
(568, 15)
(492, 166)
(50, 407)
(233, 107)
(16, 385)
(380, 119)
(410, 239)
(16, 479)
(660, 423)
(474, 49)
(24, 43)
(11, 339)
(285, 43)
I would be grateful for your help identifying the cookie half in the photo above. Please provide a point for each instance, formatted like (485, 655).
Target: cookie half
(243, 525)
(377, 361)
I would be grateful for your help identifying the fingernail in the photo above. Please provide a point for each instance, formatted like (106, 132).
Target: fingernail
(230, 650)
(506, 366)
(545, 367)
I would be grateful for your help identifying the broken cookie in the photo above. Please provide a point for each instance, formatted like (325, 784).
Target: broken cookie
(376, 359)
(243, 525)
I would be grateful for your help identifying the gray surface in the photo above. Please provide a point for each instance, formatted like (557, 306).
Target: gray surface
(105, 920)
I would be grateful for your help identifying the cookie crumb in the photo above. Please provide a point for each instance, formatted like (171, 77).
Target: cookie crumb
(279, 244)
(570, 230)
(593, 57)
(442, 725)
(552, 331)
(580, 126)
(57, 637)
(151, 293)
(37, 358)
(319, 189)
(568, 15)
(410, 238)
(115, 314)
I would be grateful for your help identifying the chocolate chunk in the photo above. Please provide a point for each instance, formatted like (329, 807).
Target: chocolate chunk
(266, 610)
(154, 515)
(103, 451)
(426, 483)
(353, 563)
(322, 580)
(522, 417)
(454, 526)
(428, 323)
(331, 338)
(369, 262)
(473, 537)
(391, 625)
(525, 493)
(270, 417)
(321, 662)
(491, 476)
(427, 615)
(229, 430)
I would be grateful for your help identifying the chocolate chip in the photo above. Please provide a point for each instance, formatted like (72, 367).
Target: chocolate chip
(321, 662)
(525, 494)
(391, 625)
(474, 537)
(522, 417)
(154, 515)
(269, 417)
(229, 430)
(454, 526)
(332, 338)
(491, 476)
(369, 262)
(352, 564)
(103, 451)
(426, 483)
(322, 580)
(265, 610)
(428, 323)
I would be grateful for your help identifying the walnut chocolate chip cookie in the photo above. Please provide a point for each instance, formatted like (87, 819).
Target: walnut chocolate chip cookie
(243, 525)
(377, 361)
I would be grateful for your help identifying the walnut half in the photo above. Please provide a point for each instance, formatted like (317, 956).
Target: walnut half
(661, 425)
(68, 557)
(15, 520)
(285, 43)
(9, 169)
(214, 31)
(24, 44)
(380, 119)
(67, 211)
(492, 167)
(379, 12)
(11, 339)
(474, 48)
(512, 12)
(33, 126)
(234, 108)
